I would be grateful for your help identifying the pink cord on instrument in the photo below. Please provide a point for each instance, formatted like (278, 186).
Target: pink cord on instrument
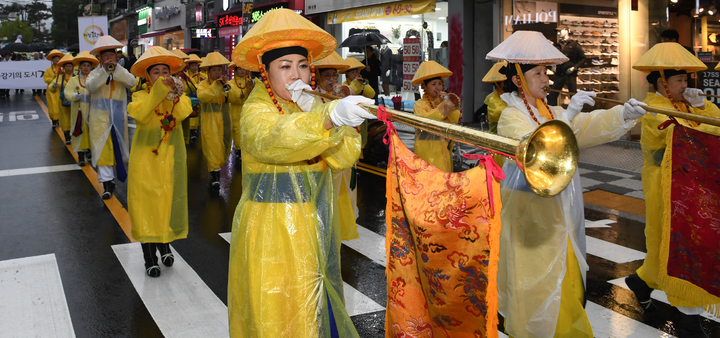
(492, 170)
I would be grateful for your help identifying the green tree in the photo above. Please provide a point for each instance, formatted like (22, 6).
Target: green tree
(15, 8)
(65, 26)
(10, 30)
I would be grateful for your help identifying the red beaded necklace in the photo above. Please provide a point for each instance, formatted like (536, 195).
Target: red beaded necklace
(529, 109)
(687, 107)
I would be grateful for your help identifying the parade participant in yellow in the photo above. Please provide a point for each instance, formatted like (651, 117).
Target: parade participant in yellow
(240, 87)
(542, 267)
(355, 80)
(191, 78)
(434, 104)
(215, 115)
(107, 119)
(50, 76)
(344, 181)
(77, 93)
(284, 278)
(668, 65)
(181, 55)
(157, 184)
(495, 105)
(58, 87)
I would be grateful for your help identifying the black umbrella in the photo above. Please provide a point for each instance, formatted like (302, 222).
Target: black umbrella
(365, 39)
(74, 48)
(16, 48)
(40, 46)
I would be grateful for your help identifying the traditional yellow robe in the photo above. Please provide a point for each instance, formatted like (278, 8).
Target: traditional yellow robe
(53, 99)
(495, 106)
(63, 111)
(434, 149)
(239, 92)
(360, 89)
(79, 107)
(192, 87)
(215, 119)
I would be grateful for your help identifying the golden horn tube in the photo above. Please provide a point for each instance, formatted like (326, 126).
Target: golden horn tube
(710, 95)
(674, 113)
(548, 157)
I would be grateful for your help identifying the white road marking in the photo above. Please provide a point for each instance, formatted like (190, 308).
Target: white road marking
(603, 223)
(39, 170)
(33, 300)
(608, 323)
(179, 301)
(369, 244)
(611, 251)
(659, 296)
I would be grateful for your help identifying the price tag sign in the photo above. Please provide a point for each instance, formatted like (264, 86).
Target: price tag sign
(709, 81)
(411, 62)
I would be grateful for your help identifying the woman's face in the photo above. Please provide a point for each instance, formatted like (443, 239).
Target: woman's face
(215, 72)
(328, 79)
(353, 74)
(193, 67)
(434, 87)
(286, 70)
(158, 71)
(239, 72)
(85, 68)
(676, 85)
(68, 67)
(536, 80)
(55, 59)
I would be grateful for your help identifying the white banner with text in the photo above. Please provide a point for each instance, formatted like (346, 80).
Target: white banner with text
(23, 74)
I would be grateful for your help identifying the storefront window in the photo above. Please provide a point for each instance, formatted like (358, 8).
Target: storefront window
(170, 41)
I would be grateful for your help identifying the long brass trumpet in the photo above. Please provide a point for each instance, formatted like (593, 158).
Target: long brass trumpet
(690, 117)
(548, 157)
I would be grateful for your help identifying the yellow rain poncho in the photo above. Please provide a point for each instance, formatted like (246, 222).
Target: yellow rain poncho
(541, 274)
(191, 88)
(495, 107)
(432, 148)
(53, 98)
(360, 89)
(157, 185)
(63, 111)
(79, 108)
(215, 119)
(653, 142)
(239, 92)
(108, 104)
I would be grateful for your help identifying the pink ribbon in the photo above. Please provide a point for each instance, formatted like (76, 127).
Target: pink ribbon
(492, 170)
(382, 115)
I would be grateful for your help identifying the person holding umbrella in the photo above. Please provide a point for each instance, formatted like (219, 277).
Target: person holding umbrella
(77, 93)
(372, 70)
(58, 86)
(50, 77)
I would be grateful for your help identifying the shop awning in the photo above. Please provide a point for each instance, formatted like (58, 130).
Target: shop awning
(400, 8)
(160, 32)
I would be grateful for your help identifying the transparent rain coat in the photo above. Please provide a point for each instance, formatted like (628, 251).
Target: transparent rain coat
(216, 133)
(79, 111)
(53, 99)
(63, 111)
(432, 148)
(239, 92)
(157, 184)
(653, 142)
(534, 239)
(108, 104)
(285, 248)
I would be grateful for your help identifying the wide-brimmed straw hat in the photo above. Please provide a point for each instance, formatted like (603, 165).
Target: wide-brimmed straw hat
(106, 42)
(668, 55)
(68, 58)
(157, 55)
(527, 47)
(494, 75)
(352, 63)
(278, 29)
(214, 59)
(193, 58)
(334, 61)
(180, 53)
(53, 53)
(428, 70)
(85, 56)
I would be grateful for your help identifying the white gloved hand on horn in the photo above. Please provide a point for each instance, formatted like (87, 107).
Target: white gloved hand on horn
(348, 113)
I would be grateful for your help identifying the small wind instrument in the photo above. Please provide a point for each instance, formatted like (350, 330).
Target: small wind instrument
(110, 67)
(225, 86)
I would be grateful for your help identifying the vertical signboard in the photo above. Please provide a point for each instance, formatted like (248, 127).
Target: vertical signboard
(411, 62)
(709, 81)
(90, 29)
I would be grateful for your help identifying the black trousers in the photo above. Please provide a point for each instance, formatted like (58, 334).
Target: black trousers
(561, 81)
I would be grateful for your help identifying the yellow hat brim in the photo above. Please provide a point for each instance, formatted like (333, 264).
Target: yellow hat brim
(180, 53)
(157, 55)
(68, 58)
(193, 58)
(668, 55)
(85, 56)
(334, 61)
(282, 28)
(54, 53)
(494, 75)
(214, 59)
(428, 70)
(352, 63)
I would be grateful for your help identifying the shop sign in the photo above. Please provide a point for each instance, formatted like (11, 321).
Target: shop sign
(709, 82)
(230, 31)
(401, 8)
(198, 13)
(230, 20)
(258, 14)
(583, 10)
(247, 15)
(119, 30)
(525, 12)
(165, 12)
(411, 62)
(705, 56)
(203, 33)
(143, 19)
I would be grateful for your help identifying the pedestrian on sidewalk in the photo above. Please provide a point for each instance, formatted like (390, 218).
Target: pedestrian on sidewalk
(58, 86)
(108, 114)
(157, 177)
(50, 77)
(77, 93)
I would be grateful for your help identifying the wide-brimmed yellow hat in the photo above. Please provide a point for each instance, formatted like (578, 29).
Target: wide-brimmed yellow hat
(278, 29)
(352, 63)
(428, 70)
(106, 42)
(527, 47)
(85, 56)
(53, 53)
(494, 75)
(180, 53)
(68, 58)
(334, 61)
(193, 58)
(157, 55)
(214, 59)
(668, 55)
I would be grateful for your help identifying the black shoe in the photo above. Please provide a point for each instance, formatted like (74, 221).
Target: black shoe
(109, 187)
(238, 155)
(642, 292)
(166, 255)
(151, 261)
(55, 124)
(68, 140)
(81, 158)
(88, 155)
(215, 179)
(691, 327)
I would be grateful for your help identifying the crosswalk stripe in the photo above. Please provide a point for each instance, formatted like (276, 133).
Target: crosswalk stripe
(608, 323)
(356, 303)
(39, 170)
(33, 301)
(181, 304)
(370, 244)
(611, 251)
(658, 295)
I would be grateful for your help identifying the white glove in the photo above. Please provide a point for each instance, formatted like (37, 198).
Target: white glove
(348, 113)
(303, 99)
(692, 95)
(633, 110)
(77, 96)
(576, 104)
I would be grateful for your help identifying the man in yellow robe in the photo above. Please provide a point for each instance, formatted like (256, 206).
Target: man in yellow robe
(58, 87)
(50, 76)
(77, 93)
(191, 77)
(240, 87)
(215, 116)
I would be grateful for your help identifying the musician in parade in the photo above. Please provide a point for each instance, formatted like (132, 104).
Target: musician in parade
(58, 87)
(77, 93)
(284, 275)
(545, 233)
(215, 115)
(157, 184)
(495, 105)
(240, 87)
(191, 78)
(107, 118)
(50, 76)
(668, 65)
(354, 80)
